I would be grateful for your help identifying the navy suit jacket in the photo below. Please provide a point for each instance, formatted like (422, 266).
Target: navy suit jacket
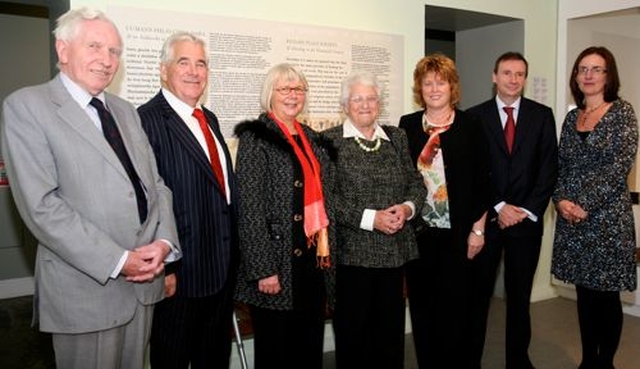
(206, 224)
(525, 178)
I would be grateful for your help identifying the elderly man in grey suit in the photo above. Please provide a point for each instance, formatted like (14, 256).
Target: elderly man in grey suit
(84, 179)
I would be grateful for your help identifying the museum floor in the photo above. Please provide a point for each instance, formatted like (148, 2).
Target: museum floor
(555, 342)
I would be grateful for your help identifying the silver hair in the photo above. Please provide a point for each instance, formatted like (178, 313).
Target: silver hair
(280, 72)
(357, 77)
(68, 24)
(167, 52)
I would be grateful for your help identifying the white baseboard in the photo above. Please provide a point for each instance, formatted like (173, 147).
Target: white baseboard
(543, 293)
(10, 288)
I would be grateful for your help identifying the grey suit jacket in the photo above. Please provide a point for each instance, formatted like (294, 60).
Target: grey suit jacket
(77, 200)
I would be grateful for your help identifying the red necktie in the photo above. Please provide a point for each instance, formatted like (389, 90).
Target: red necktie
(509, 128)
(211, 146)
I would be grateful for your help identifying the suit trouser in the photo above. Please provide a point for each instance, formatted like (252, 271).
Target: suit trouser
(122, 347)
(194, 331)
(441, 299)
(521, 256)
(369, 318)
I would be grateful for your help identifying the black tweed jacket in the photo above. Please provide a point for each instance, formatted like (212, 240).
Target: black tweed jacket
(374, 180)
(267, 180)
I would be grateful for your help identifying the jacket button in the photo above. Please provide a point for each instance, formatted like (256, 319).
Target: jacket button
(297, 183)
(297, 252)
(297, 217)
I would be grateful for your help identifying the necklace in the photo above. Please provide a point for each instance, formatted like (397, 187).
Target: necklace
(586, 112)
(430, 127)
(363, 146)
(443, 118)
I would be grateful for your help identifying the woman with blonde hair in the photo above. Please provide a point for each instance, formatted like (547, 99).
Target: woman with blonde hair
(285, 226)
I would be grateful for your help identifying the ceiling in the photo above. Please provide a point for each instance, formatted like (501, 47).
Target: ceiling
(453, 20)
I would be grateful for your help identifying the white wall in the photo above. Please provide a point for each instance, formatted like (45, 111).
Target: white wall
(477, 51)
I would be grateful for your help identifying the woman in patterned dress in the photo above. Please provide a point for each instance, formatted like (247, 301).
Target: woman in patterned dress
(449, 148)
(594, 246)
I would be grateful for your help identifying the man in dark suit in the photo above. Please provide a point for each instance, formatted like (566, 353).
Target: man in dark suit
(524, 171)
(86, 184)
(194, 325)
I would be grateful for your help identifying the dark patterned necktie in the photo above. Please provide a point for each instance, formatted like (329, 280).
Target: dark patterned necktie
(112, 134)
(509, 128)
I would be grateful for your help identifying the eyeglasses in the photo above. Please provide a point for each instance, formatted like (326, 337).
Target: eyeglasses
(361, 99)
(284, 91)
(597, 70)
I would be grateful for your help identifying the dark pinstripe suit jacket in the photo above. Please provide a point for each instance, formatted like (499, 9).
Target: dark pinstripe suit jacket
(206, 224)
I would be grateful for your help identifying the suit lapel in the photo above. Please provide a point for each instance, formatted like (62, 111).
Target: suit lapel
(72, 114)
(495, 125)
(185, 137)
(128, 138)
(523, 125)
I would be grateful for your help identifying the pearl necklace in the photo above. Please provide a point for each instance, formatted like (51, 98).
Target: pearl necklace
(366, 148)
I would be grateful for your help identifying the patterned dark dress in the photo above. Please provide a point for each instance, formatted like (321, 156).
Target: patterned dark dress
(598, 253)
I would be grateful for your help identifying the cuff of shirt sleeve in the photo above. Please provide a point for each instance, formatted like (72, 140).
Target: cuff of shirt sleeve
(368, 218)
(413, 208)
(120, 265)
(174, 254)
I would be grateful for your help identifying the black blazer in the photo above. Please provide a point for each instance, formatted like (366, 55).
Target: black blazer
(466, 161)
(206, 224)
(525, 178)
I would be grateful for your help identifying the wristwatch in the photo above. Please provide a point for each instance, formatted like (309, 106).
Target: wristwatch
(477, 232)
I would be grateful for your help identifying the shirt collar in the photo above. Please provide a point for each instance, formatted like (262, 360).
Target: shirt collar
(350, 130)
(515, 105)
(79, 94)
(183, 109)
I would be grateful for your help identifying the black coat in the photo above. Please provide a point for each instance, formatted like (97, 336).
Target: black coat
(269, 178)
(466, 161)
(525, 178)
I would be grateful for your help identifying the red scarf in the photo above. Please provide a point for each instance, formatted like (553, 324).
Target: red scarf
(315, 215)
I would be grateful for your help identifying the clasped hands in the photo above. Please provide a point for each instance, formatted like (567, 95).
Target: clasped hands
(510, 215)
(571, 212)
(391, 219)
(145, 263)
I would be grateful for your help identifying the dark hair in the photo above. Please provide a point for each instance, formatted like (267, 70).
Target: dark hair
(511, 55)
(440, 65)
(612, 85)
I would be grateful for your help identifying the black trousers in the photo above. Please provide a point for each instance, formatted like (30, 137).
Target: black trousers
(441, 299)
(290, 339)
(600, 317)
(195, 331)
(521, 256)
(369, 318)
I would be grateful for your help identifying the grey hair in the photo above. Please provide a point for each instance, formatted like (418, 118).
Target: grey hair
(357, 77)
(167, 52)
(279, 72)
(68, 24)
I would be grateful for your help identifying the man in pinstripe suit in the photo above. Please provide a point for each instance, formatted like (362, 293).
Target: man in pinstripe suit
(192, 326)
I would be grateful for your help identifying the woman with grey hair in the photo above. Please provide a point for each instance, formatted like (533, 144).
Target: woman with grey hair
(284, 226)
(378, 190)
